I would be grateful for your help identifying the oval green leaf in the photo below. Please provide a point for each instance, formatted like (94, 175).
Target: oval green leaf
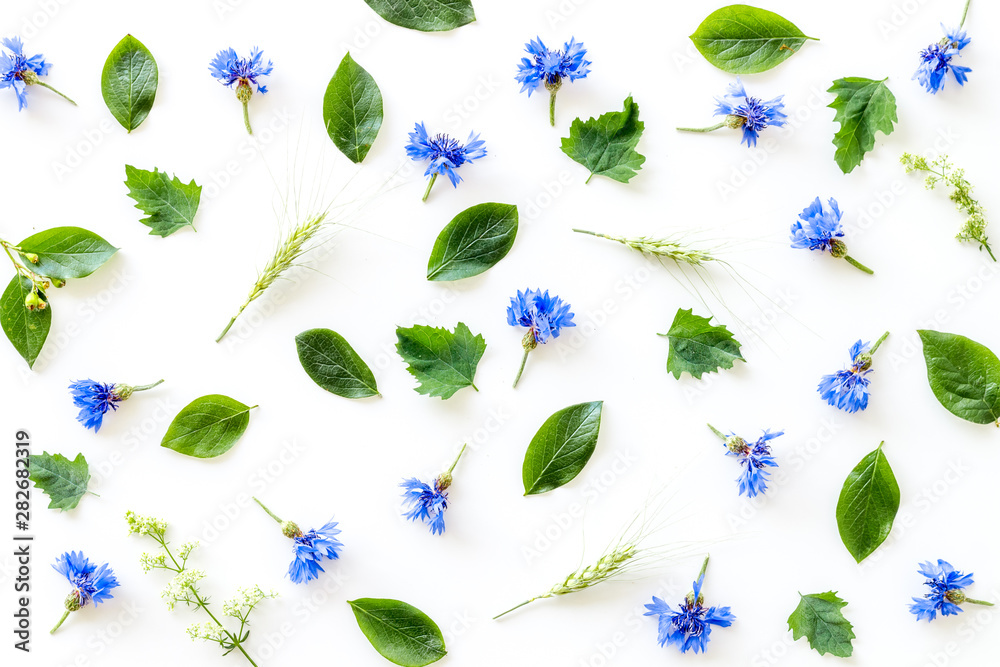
(561, 448)
(744, 40)
(333, 364)
(475, 240)
(352, 109)
(402, 633)
(207, 427)
(425, 15)
(26, 329)
(66, 252)
(867, 506)
(129, 81)
(964, 376)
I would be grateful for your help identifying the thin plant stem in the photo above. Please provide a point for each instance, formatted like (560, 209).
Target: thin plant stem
(520, 370)
(704, 567)
(450, 470)
(66, 615)
(858, 265)
(713, 128)
(879, 342)
(974, 601)
(246, 117)
(430, 184)
(517, 606)
(588, 178)
(552, 108)
(717, 432)
(965, 12)
(275, 517)
(144, 387)
(45, 85)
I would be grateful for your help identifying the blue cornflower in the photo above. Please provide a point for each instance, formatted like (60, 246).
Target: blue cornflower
(18, 71)
(946, 594)
(542, 315)
(935, 61)
(310, 547)
(91, 583)
(545, 67)
(690, 626)
(95, 399)
(428, 503)
(753, 459)
(444, 153)
(743, 111)
(229, 68)
(819, 228)
(848, 389)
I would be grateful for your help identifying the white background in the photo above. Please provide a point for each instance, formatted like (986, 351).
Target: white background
(155, 309)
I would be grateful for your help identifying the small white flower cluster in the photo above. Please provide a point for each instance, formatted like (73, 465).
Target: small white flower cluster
(244, 600)
(149, 561)
(179, 588)
(187, 548)
(208, 631)
(145, 525)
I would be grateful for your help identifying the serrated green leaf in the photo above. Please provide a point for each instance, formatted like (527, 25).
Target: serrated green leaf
(207, 427)
(606, 145)
(128, 82)
(66, 252)
(425, 15)
(443, 362)
(62, 480)
(698, 347)
(561, 447)
(964, 376)
(864, 107)
(403, 634)
(475, 240)
(745, 40)
(819, 619)
(868, 504)
(333, 364)
(26, 329)
(352, 109)
(168, 203)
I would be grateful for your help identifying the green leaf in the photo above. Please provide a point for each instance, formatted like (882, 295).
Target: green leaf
(64, 481)
(26, 329)
(475, 240)
(744, 40)
(168, 203)
(207, 427)
(863, 107)
(66, 252)
(867, 506)
(964, 376)
(334, 365)
(698, 347)
(443, 362)
(128, 82)
(818, 618)
(402, 633)
(425, 15)
(606, 145)
(561, 447)
(352, 109)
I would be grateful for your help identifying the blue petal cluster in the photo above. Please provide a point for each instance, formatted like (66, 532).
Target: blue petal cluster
(935, 61)
(544, 315)
(229, 68)
(549, 67)
(94, 399)
(14, 64)
(445, 153)
(690, 626)
(944, 583)
(91, 583)
(753, 458)
(817, 226)
(311, 548)
(749, 113)
(426, 503)
(848, 389)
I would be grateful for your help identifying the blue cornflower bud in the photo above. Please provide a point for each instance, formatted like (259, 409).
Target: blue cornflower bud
(428, 502)
(547, 67)
(95, 399)
(946, 592)
(848, 389)
(743, 112)
(690, 626)
(542, 315)
(936, 61)
(309, 547)
(753, 459)
(819, 228)
(18, 71)
(230, 69)
(91, 583)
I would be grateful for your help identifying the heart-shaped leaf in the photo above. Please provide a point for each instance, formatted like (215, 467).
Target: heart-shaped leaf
(66, 252)
(698, 347)
(964, 376)
(442, 361)
(333, 364)
(561, 447)
(819, 619)
(868, 504)
(475, 240)
(402, 633)
(207, 427)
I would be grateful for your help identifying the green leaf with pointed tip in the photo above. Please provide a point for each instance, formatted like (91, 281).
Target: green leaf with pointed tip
(867, 506)
(403, 634)
(698, 347)
(606, 145)
(819, 619)
(129, 81)
(352, 109)
(207, 427)
(964, 376)
(425, 15)
(442, 361)
(333, 364)
(66, 252)
(168, 203)
(744, 40)
(561, 447)
(26, 329)
(475, 240)
(62, 480)
(864, 107)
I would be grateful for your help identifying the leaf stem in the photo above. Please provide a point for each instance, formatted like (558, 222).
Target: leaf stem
(858, 265)
(717, 432)
(965, 12)
(144, 387)
(66, 615)
(713, 128)
(430, 184)
(588, 178)
(552, 108)
(45, 85)
(517, 606)
(452, 468)
(246, 116)
(520, 370)
(274, 516)
(879, 342)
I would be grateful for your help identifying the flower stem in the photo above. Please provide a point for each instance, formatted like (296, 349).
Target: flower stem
(552, 108)
(713, 128)
(66, 615)
(858, 265)
(879, 342)
(232, 321)
(717, 432)
(969, 600)
(520, 370)
(45, 85)
(704, 567)
(452, 468)
(517, 606)
(246, 116)
(965, 12)
(269, 512)
(144, 387)
(430, 184)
